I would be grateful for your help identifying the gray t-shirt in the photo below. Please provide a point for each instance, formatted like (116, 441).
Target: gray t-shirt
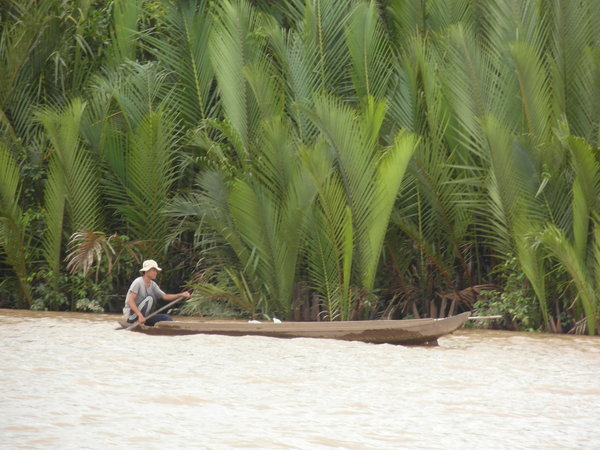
(139, 287)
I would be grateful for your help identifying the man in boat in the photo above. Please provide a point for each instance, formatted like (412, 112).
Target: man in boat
(144, 293)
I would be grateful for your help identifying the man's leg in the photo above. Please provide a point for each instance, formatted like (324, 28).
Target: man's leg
(158, 318)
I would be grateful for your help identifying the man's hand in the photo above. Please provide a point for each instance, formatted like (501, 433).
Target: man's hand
(141, 319)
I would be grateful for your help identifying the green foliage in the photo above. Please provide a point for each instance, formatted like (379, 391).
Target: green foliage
(183, 48)
(71, 196)
(14, 242)
(71, 292)
(357, 201)
(516, 300)
(108, 255)
(259, 217)
(138, 147)
(213, 308)
(126, 15)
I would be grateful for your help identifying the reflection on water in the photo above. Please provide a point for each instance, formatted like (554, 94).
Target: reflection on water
(73, 381)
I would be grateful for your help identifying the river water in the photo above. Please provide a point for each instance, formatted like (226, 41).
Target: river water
(73, 381)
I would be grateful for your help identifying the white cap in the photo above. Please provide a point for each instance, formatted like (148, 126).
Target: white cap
(149, 264)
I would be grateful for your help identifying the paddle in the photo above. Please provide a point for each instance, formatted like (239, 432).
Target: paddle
(137, 322)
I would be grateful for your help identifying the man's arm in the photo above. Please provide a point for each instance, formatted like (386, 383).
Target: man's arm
(169, 297)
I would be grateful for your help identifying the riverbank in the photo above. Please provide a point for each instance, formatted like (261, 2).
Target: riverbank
(109, 317)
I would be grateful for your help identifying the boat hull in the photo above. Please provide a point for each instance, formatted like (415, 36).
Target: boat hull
(405, 332)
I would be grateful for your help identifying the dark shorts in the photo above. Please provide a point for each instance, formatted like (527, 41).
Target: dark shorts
(154, 319)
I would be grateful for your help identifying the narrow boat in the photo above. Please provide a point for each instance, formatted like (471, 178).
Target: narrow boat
(405, 332)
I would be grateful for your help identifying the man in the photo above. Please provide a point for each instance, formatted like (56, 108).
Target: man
(144, 293)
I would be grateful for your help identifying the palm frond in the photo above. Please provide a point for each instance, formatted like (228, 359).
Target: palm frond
(207, 211)
(403, 99)
(270, 224)
(26, 44)
(255, 218)
(509, 21)
(314, 58)
(355, 158)
(186, 53)
(14, 245)
(515, 213)
(72, 186)
(594, 260)
(274, 165)
(151, 172)
(299, 61)
(139, 89)
(126, 14)
(586, 192)
(266, 87)
(532, 263)
(443, 14)
(371, 176)
(471, 86)
(261, 217)
(86, 248)
(233, 47)
(407, 19)
(10, 185)
(559, 246)
(571, 33)
(370, 52)
(444, 193)
(447, 194)
(237, 291)
(390, 172)
(534, 88)
(135, 124)
(511, 184)
(428, 251)
(585, 118)
(323, 33)
(329, 249)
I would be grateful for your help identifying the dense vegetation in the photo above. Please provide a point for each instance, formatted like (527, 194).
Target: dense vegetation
(347, 159)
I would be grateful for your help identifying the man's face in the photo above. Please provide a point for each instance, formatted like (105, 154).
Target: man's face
(152, 273)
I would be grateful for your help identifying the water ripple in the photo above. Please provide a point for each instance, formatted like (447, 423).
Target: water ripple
(72, 381)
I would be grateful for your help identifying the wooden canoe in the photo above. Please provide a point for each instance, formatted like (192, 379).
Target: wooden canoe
(406, 332)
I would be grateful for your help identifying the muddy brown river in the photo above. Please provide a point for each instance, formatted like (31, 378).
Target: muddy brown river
(71, 381)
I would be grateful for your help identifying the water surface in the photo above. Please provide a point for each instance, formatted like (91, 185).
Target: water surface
(73, 381)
